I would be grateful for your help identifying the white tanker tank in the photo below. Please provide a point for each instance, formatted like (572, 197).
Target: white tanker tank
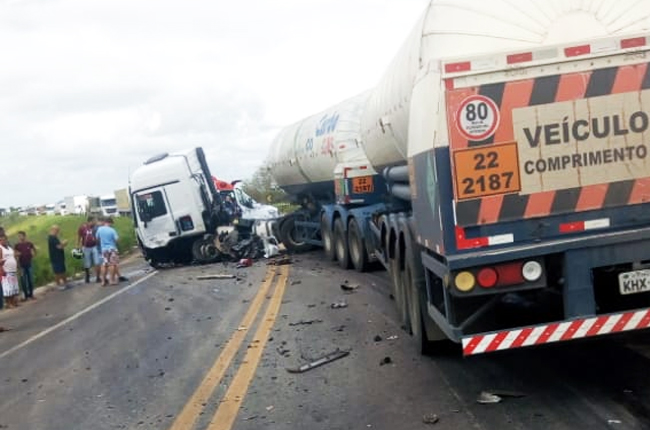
(447, 29)
(304, 155)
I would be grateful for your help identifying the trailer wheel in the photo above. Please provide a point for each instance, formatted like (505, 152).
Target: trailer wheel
(290, 238)
(413, 285)
(326, 236)
(341, 244)
(358, 253)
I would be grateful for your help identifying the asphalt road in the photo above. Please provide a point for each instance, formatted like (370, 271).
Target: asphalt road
(170, 351)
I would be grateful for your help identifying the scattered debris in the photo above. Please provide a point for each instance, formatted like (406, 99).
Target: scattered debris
(305, 322)
(252, 417)
(332, 356)
(270, 408)
(610, 422)
(311, 306)
(349, 287)
(339, 305)
(171, 299)
(244, 262)
(168, 308)
(377, 338)
(282, 351)
(385, 360)
(279, 261)
(216, 276)
(504, 393)
(4, 329)
(339, 328)
(486, 398)
(430, 419)
(242, 328)
(296, 282)
(393, 337)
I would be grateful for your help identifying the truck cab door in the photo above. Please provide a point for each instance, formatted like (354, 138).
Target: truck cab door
(156, 225)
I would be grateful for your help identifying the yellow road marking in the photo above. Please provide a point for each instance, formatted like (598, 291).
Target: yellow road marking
(225, 416)
(188, 416)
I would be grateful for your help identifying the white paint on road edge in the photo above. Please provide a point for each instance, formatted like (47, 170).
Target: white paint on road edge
(74, 317)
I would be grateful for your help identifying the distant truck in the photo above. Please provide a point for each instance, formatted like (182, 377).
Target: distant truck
(123, 202)
(76, 205)
(500, 172)
(108, 205)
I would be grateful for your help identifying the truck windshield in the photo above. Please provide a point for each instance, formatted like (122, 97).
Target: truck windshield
(152, 204)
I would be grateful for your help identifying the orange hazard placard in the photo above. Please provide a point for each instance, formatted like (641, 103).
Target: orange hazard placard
(362, 185)
(486, 171)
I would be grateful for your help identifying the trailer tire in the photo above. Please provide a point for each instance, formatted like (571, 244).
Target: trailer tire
(358, 253)
(341, 245)
(413, 281)
(288, 236)
(327, 238)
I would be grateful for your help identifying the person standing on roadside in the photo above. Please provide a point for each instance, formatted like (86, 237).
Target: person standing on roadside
(9, 281)
(26, 252)
(88, 242)
(57, 257)
(108, 242)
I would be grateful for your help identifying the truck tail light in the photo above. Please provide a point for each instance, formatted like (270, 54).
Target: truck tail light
(465, 281)
(487, 277)
(531, 271)
(510, 274)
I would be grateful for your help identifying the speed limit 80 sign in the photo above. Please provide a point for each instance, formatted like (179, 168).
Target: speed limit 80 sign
(477, 117)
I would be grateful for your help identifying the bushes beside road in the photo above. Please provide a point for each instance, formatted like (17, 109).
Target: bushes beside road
(38, 228)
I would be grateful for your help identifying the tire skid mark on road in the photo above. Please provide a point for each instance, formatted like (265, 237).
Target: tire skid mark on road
(74, 317)
(186, 420)
(225, 415)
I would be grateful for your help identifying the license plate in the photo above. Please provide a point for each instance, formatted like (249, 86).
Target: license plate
(634, 282)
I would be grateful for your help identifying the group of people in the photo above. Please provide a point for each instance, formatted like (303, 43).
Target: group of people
(97, 242)
(99, 246)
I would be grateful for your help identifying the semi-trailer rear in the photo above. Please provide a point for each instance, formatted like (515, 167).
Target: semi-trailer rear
(499, 171)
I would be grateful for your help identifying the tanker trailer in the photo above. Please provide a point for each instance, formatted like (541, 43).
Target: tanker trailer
(511, 139)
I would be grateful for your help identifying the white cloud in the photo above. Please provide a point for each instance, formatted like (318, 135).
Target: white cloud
(90, 89)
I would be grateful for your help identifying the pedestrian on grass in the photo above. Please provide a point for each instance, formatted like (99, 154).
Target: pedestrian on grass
(57, 257)
(26, 252)
(108, 242)
(10, 289)
(88, 242)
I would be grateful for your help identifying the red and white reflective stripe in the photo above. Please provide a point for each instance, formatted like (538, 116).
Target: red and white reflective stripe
(556, 332)
(594, 224)
(548, 53)
(479, 242)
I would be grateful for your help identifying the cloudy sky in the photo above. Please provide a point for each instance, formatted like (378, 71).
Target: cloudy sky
(89, 89)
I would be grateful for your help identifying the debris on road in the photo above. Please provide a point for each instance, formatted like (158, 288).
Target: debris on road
(349, 287)
(339, 328)
(296, 282)
(377, 338)
(251, 418)
(305, 322)
(270, 408)
(504, 393)
(385, 360)
(4, 329)
(610, 422)
(242, 328)
(328, 358)
(216, 276)
(393, 337)
(430, 419)
(339, 305)
(244, 262)
(486, 398)
(279, 261)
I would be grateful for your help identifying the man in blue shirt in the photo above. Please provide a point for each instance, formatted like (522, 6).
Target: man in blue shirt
(108, 238)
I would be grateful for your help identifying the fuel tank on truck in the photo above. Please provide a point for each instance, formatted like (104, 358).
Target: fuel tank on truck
(304, 155)
(468, 28)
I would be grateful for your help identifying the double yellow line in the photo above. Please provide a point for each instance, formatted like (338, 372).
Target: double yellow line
(228, 409)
